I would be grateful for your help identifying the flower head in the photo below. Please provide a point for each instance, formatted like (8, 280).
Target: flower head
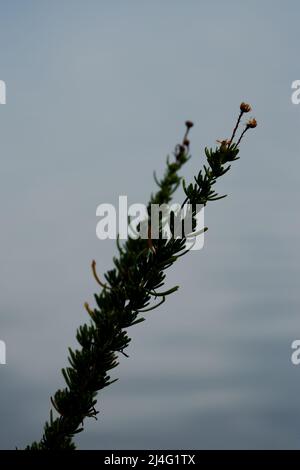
(245, 107)
(189, 124)
(251, 124)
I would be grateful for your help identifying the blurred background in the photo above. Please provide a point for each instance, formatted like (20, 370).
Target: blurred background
(97, 96)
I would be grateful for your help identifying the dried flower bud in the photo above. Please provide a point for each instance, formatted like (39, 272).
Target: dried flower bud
(189, 124)
(252, 123)
(245, 107)
(186, 142)
(179, 149)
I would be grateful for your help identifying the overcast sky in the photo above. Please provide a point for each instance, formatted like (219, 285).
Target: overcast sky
(97, 95)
